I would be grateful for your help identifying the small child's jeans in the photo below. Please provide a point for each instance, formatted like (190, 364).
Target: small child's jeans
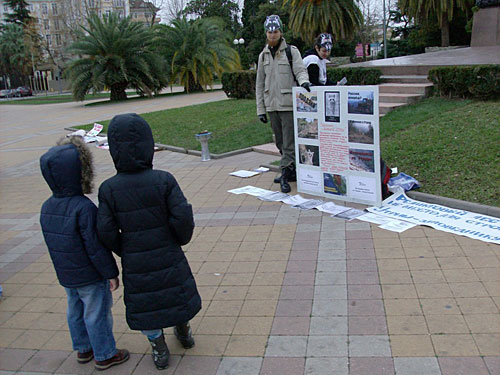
(90, 321)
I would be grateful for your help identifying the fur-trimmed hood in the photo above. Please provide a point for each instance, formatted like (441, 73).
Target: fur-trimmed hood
(68, 167)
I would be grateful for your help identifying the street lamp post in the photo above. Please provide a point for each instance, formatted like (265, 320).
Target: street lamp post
(239, 43)
(385, 36)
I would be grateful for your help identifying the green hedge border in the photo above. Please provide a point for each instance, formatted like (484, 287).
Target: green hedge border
(477, 81)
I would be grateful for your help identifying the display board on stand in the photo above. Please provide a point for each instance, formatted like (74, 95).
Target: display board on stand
(337, 143)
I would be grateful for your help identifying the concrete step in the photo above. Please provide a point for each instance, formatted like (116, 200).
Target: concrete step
(405, 88)
(384, 108)
(399, 98)
(404, 79)
(394, 70)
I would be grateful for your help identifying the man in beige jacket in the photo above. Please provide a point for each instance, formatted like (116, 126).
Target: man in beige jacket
(275, 79)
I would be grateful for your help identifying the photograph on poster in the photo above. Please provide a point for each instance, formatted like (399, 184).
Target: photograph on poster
(309, 155)
(307, 101)
(360, 131)
(332, 106)
(360, 102)
(334, 184)
(361, 160)
(307, 128)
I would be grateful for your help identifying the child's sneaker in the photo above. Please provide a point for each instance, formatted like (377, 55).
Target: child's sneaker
(84, 357)
(184, 335)
(121, 356)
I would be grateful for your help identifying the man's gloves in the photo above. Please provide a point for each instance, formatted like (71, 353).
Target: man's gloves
(263, 118)
(307, 86)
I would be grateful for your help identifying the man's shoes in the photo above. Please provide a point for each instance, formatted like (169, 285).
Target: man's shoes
(292, 176)
(184, 335)
(284, 185)
(277, 179)
(84, 357)
(160, 354)
(121, 356)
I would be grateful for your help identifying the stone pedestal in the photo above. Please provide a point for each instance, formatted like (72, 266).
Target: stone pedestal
(486, 27)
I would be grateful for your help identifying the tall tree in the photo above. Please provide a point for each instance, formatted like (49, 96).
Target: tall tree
(443, 10)
(14, 54)
(20, 14)
(115, 53)
(309, 18)
(225, 9)
(196, 51)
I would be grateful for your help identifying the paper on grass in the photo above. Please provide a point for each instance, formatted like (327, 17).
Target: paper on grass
(250, 190)
(95, 130)
(350, 214)
(332, 208)
(397, 226)
(243, 173)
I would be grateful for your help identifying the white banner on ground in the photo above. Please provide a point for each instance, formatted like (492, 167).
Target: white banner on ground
(465, 223)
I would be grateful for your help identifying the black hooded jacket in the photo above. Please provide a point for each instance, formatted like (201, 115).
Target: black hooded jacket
(144, 217)
(68, 218)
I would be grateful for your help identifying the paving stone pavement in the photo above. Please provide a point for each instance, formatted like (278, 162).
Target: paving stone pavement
(284, 291)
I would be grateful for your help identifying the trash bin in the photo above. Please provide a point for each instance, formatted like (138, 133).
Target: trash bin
(203, 137)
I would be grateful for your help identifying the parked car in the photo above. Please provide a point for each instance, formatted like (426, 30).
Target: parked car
(23, 91)
(7, 93)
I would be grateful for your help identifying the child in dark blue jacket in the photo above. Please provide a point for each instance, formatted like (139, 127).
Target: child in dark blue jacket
(85, 269)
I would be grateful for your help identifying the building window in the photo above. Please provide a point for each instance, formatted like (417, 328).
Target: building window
(49, 40)
(6, 8)
(45, 9)
(54, 9)
(58, 39)
(46, 24)
(56, 24)
(108, 12)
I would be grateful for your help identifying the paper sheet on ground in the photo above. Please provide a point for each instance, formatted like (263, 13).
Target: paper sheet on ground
(350, 214)
(294, 200)
(332, 208)
(374, 218)
(309, 204)
(397, 226)
(261, 169)
(243, 173)
(250, 190)
(477, 226)
(274, 196)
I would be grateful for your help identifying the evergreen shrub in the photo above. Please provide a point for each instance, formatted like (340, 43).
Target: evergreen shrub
(239, 84)
(355, 76)
(479, 81)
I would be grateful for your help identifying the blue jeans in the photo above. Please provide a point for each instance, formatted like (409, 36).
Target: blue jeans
(90, 321)
(152, 333)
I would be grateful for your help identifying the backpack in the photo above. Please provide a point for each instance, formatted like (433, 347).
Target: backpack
(288, 51)
(385, 175)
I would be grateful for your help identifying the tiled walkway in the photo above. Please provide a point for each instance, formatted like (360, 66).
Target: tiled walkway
(284, 291)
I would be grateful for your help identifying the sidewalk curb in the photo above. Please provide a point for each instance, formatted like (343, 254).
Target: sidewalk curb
(422, 197)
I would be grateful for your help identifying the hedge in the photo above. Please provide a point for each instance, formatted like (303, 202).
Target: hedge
(239, 84)
(355, 76)
(479, 81)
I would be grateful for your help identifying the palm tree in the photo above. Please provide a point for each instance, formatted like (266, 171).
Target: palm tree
(14, 54)
(115, 53)
(441, 9)
(196, 51)
(309, 18)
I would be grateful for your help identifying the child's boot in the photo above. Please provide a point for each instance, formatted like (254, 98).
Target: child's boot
(184, 335)
(160, 354)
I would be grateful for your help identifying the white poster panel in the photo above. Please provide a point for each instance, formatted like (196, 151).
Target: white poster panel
(337, 147)
(465, 223)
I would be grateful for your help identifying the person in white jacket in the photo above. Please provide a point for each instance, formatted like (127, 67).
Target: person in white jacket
(275, 79)
(316, 58)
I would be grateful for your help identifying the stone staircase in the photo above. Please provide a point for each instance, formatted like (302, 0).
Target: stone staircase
(400, 90)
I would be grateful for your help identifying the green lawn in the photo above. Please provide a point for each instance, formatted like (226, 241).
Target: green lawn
(451, 146)
(53, 99)
(233, 124)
